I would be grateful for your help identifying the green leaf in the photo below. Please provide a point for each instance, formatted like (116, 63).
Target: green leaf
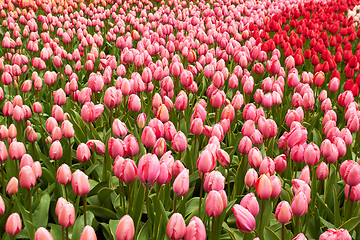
(113, 226)
(350, 224)
(79, 225)
(101, 212)
(41, 214)
(270, 234)
(145, 232)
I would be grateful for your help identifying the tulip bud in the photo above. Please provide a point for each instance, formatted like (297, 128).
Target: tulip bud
(176, 227)
(13, 224)
(245, 221)
(283, 212)
(125, 229)
(80, 183)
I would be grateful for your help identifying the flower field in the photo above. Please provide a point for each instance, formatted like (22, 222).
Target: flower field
(138, 119)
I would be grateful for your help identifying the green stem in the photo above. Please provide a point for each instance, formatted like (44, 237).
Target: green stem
(262, 213)
(29, 199)
(2, 178)
(67, 234)
(129, 200)
(283, 232)
(201, 190)
(66, 194)
(62, 233)
(70, 154)
(84, 204)
(175, 200)
(213, 229)
(227, 179)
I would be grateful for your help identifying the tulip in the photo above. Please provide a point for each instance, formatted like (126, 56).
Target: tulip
(354, 195)
(148, 137)
(245, 221)
(148, 168)
(97, 146)
(125, 169)
(80, 183)
(195, 230)
(283, 212)
(13, 224)
(83, 153)
(206, 161)
(251, 177)
(119, 128)
(64, 175)
(322, 171)
(125, 229)
(16, 150)
(66, 215)
(214, 181)
(342, 234)
(214, 204)
(300, 236)
(43, 234)
(250, 202)
(299, 204)
(88, 233)
(349, 171)
(12, 186)
(179, 142)
(181, 183)
(176, 227)
(2, 206)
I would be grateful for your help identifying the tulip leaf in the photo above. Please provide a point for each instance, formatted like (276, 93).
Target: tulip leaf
(336, 208)
(270, 234)
(323, 207)
(113, 226)
(101, 212)
(145, 232)
(41, 214)
(105, 193)
(55, 231)
(350, 224)
(79, 225)
(139, 203)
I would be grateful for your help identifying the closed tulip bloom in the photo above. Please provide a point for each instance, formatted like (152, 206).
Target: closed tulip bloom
(299, 205)
(163, 113)
(66, 215)
(26, 160)
(80, 183)
(116, 147)
(88, 233)
(267, 166)
(83, 153)
(125, 169)
(18, 114)
(251, 177)
(96, 146)
(176, 168)
(311, 154)
(181, 101)
(305, 174)
(119, 128)
(67, 129)
(27, 177)
(349, 171)
(214, 204)
(250, 202)
(112, 97)
(319, 78)
(132, 145)
(61, 202)
(141, 120)
(245, 221)
(217, 98)
(181, 183)
(160, 147)
(59, 97)
(223, 157)
(332, 234)
(179, 142)
(36, 167)
(3, 152)
(164, 173)
(134, 103)
(283, 212)
(64, 175)
(196, 126)
(206, 161)
(125, 229)
(12, 186)
(91, 112)
(296, 136)
(16, 150)
(176, 227)
(355, 193)
(322, 171)
(280, 163)
(263, 187)
(56, 150)
(195, 230)
(2, 206)
(276, 186)
(43, 234)
(214, 181)
(148, 137)
(148, 168)
(13, 224)
(245, 145)
(255, 157)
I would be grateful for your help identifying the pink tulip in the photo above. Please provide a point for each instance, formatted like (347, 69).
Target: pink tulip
(206, 161)
(299, 205)
(125, 169)
(349, 171)
(43, 234)
(179, 142)
(119, 128)
(214, 181)
(67, 215)
(27, 177)
(83, 153)
(176, 227)
(116, 147)
(283, 212)
(88, 233)
(13, 224)
(125, 229)
(251, 177)
(64, 174)
(263, 187)
(342, 234)
(96, 146)
(214, 204)
(55, 151)
(195, 230)
(250, 202)
(80, 183)
(12, 186)
(245, 221)
(181, 183)
(2, 206)
(148, 168)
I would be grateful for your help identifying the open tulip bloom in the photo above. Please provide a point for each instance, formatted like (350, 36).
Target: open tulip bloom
(236, 119)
